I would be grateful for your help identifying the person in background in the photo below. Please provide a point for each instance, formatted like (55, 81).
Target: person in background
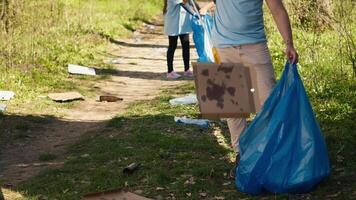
(177, 24)
(239, 36)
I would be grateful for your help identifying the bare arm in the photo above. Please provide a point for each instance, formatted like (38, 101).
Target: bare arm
(207, 7)
(281, 18)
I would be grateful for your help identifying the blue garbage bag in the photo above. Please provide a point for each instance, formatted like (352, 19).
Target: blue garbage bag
(283, 150)
(201, 35)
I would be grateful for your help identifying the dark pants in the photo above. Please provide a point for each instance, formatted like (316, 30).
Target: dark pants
(184, 39)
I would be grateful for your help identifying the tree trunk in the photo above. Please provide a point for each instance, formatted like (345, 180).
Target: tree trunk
(4, 14)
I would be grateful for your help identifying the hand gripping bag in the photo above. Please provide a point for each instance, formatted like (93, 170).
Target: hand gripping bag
(283, 150)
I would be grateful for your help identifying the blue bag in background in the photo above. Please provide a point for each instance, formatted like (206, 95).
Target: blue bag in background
(283, 150)
(201, 36)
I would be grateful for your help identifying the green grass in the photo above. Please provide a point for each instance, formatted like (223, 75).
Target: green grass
(172, 156)
(181, 159)
(46, 36)
(47, 157)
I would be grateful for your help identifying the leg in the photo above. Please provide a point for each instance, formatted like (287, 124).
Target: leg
(258, 57)
(236, 125)
(184, 39)
(170, 53)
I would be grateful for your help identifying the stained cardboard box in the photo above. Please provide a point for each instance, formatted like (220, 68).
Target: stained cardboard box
(226, 90)
(116, 194)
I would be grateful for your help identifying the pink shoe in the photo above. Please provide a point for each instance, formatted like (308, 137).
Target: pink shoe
(188, 73)
(173, 75)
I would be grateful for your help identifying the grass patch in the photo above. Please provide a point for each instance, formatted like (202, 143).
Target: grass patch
(33, 59)
(181, 161)
(47, 157)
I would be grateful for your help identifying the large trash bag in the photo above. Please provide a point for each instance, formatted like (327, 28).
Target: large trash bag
(201, 35)
(283, 150)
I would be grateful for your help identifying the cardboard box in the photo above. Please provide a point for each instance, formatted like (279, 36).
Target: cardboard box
(116, 194)
(228, 90)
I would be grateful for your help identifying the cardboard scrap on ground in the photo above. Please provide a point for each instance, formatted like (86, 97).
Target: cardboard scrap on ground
(77, 69)
(65, 97)
(114, 195)
(2, 108)
(6, 95)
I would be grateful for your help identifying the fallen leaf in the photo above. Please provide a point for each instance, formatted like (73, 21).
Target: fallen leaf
(189, 194)
(203, 194)
(159, 197)
(159, 188)
(138, 191)
(340, 150)
(219, 198)
(85, 155)
(186, 175)
(340, 158)
(190, 181)
(230, 191)
(334, 195)
(227, 183)
(126, 184)
(340, 169)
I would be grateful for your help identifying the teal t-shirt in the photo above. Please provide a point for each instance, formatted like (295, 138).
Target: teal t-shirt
(238, 22)
(177, 21)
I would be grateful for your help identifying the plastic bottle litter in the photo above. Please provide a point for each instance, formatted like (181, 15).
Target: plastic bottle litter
(190, 99)
(6, 95)
(203, 123)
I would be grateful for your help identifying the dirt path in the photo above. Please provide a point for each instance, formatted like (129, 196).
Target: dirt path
(139, 75)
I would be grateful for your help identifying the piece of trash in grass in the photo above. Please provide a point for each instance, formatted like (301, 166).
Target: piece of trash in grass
(203, 123)
(114, 61)
(186, 100)
(77, 69)
(65, 97)
(2, 108)
(130, 169)
(117, 194)
(150, 27)
(109, 98)
(6, 95)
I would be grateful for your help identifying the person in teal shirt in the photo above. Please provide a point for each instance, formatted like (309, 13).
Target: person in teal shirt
(239, 37)
(177, 24)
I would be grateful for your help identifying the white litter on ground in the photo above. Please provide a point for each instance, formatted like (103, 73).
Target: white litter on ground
(77, 69)
(203, 123)
(114, 61)
(190, 99)
(2, 108)
(6, 95)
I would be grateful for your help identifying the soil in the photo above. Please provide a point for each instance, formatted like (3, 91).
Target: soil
(139, 74)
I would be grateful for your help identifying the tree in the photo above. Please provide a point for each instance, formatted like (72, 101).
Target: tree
(4, 14)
